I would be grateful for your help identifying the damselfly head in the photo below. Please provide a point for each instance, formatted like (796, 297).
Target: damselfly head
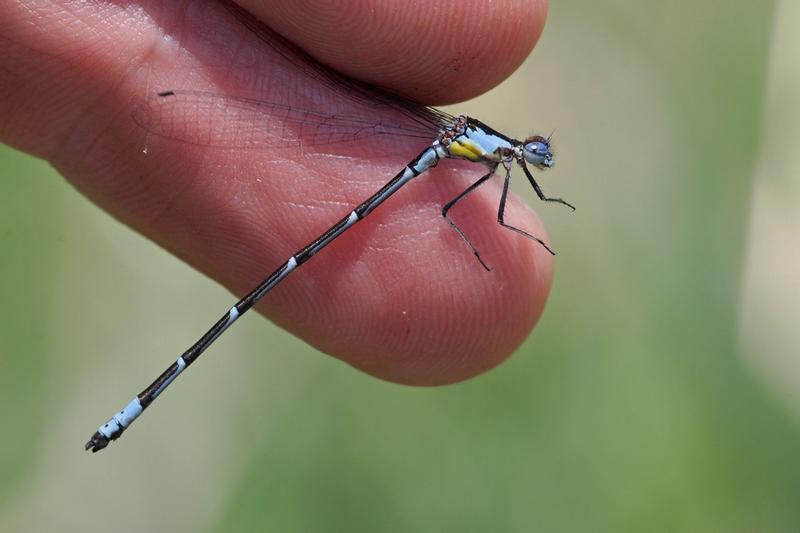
(536, 151)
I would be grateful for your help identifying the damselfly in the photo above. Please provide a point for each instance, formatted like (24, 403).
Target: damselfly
(217, 120)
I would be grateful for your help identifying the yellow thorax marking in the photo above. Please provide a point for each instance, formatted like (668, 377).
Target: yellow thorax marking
(466, 148)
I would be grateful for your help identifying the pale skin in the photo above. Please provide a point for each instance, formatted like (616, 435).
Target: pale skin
(399, 296)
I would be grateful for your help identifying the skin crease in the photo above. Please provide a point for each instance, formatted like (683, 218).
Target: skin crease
(451, 50)
(399, 296)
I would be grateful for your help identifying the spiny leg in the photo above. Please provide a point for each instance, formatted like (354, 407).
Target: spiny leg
(540, 192)
(454, 201)
(502, 209)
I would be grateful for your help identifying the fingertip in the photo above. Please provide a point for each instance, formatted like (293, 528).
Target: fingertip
(427, 312)
(436, 51)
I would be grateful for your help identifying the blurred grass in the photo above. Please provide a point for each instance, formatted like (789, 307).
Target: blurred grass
(628, 409)
(28, 237)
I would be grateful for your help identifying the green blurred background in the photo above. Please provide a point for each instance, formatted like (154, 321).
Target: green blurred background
(656, 394)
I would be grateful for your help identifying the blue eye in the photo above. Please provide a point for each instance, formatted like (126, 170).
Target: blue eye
(537, 152)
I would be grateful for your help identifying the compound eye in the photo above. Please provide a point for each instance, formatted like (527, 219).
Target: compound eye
(537, 152)
(539, 148)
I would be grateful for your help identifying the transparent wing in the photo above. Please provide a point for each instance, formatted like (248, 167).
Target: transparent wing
(347, 87)
(217, 120)
(296, 101)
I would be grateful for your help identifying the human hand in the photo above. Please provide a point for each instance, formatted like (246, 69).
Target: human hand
(399, 296)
